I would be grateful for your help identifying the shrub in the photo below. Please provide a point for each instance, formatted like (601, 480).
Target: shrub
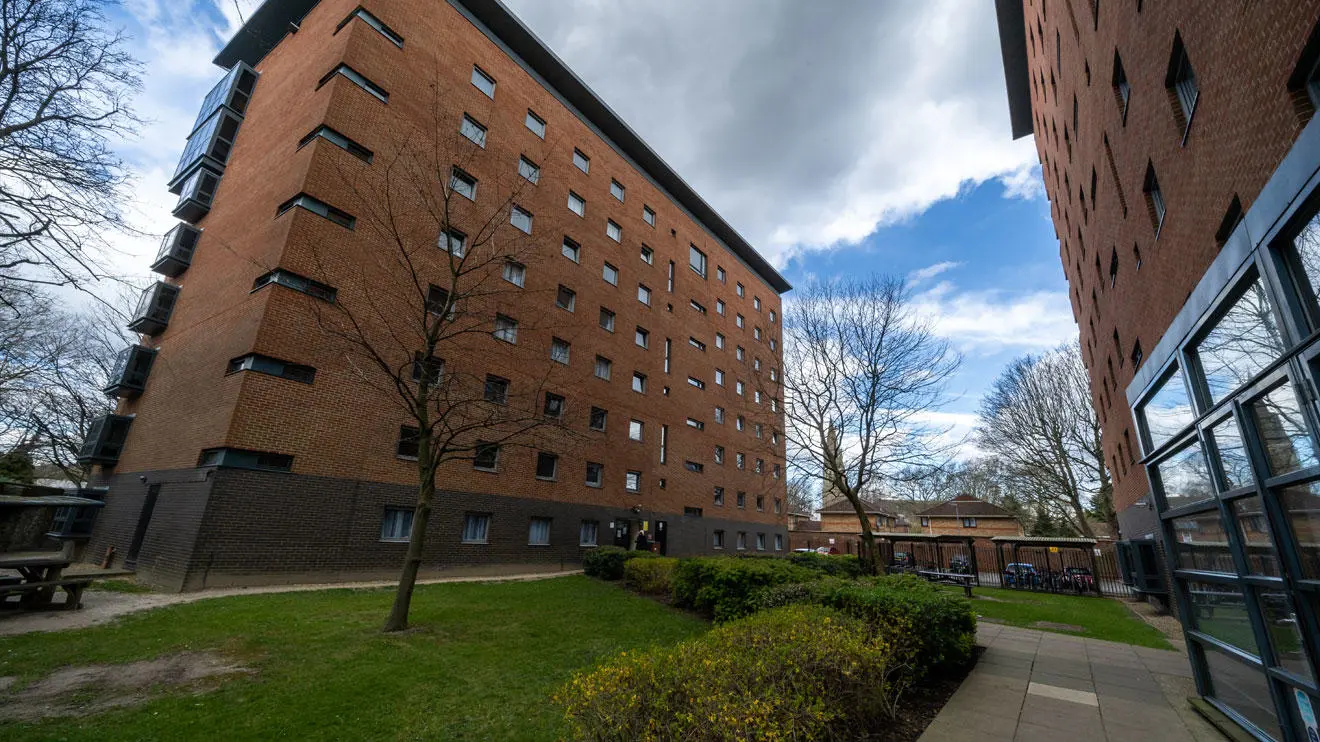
(803, 672)
(723, 587)
(649, 576)
(606, 562)
(831, 565)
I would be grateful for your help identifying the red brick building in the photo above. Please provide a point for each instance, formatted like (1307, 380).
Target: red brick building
(247, 448)
(1180, 153)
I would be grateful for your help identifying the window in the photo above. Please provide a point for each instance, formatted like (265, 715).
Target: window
(758, 428)
(529, 170)
(719, 341)
(669, 286)
(774, 344)
(760, 503)
(696, 305)
(1182, 81)
(559, 350)
(692, 422)
(497, 389)
(547, 465)
(475, 528)
(570, 250)
(719, 454)
(375, 23)
(756, 333)
(616, 189)
(396, 525)
(720, 275)
(718, 540)
(697, 260)
(719, 307)
(698, 383)
(581, 161)
(535, 123)
(741, 290)
(738, 387)
(587, 534)
(760, 468)
(1154, 199)
(644, 294)
(642, 337)
(779, 542)
(432, 368)
(515, 273)
(692, 512)
(598, 419)
(613, 231)
(577, 204)
(263, 365)
(719, 415)
(565, 298)
(610, 274)
(694, 467)
(486, 456)
(632, 481)
(742, 498)
(438, 303)
(636, 429)
(521, 219)
(739, 321)
(473, 130)
(740, 461)
(719, 497)
(742, 541)
(554, 405)
(648, 255)
(639, 383)
(357, 79)
(320, 208)
(603, 367)
(648, 215)
(772, 316)
(406, 446)
(756, 364)
(969, 523)
(760, 542)
(606, 320)
(756, 303)
(339, 140)
(538, 532)
(483, 82)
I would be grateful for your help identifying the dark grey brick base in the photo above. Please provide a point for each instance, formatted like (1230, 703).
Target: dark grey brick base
(225, 527)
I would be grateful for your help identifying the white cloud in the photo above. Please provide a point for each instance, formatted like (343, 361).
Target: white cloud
(930, 271)
(1024, 183)
(991, 321)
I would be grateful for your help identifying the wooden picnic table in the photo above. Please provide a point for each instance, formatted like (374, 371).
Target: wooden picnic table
(40, 575)
(952, 578)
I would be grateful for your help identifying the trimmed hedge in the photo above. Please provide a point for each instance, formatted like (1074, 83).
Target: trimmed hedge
(830, 565)
(606, 562)
(649, 576)
(723, 587)
(801, 672)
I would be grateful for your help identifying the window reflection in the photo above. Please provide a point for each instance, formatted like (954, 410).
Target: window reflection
(1232, 454)
(1308, 253)
(1262, 559)
(1221, 611)
(1201, 543)
(1285, 638)
(1184, 477)
(1168, 410)
(1283, 432)
(1244, 341)
(1301, 506)
(1243, 689)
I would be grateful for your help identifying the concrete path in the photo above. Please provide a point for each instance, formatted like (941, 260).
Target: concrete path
(100, 607)
(1034, 686)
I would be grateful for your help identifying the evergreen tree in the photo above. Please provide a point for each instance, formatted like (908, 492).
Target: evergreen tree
(16, 466)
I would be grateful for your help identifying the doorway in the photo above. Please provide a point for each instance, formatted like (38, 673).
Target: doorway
(144, 520)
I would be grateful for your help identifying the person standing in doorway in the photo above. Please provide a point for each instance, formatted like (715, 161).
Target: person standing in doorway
(643, 542)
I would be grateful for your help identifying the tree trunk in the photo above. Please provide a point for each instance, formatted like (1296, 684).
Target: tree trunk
(867, 553)
(412, 561)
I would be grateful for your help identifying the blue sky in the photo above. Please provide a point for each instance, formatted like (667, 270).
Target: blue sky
(838, 137)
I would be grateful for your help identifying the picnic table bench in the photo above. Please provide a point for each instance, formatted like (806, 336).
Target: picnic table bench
(40, 575)
(948, 578)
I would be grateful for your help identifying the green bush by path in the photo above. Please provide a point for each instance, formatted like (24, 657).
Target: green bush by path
(649, 576)
(723, 587)
(606, 562)
(830, 565)
(794, 673)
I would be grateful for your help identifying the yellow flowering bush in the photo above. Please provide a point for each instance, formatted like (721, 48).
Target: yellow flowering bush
(649, 576)
(794, 673)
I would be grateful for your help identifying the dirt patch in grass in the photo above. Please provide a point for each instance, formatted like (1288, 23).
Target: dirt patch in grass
(89, 689)
(1055, 626)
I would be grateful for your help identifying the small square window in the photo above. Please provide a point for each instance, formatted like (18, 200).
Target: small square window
(717, 541)
(603, 367)
(475, 528)
(438, 303)
(581, 161)
(739, 353)
(739, 321)
(648, 255)
(610, 274)
(698, 383)
(559, 350)
(538, 532)
(598, 418)
(648, 215)
(616, 189)
(565, 298)
(595, 474)
(547, 465)
(506, 329)
(521, 219)
(554, 405)
(483, 82)
(571, 250)
(639, 383)
(720, 275)
(741, 291)
(577, 204)
(695, 423)
(606, 319)
(453, 242)
(587, 534)
(515, 273)
(407, 445)
(497, 389)
(642, 337)
(635, 430)
(613, 231)
(644, 294)
(473, 130)
(529, 170)
(633, 481)
(696, 305)
(719, 341)
(463, 184)
(396, 525)
(486, 456)
(756, 303)
(535, 123)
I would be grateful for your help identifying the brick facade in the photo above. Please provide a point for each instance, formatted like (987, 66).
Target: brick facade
(323, 519)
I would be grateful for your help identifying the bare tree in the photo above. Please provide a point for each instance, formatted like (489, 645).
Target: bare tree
(861, 372)
(1038, 420)
(65, 85)
(446, 281)
(803, 494)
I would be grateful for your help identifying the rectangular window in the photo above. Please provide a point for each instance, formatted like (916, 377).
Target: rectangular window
(636, 428)
(571, 250)
(695, 343)
(587, 534)
(969, 523)
(603, 367)
(760, 542)
(719, 341)
(610, 274)
(1154, 199)
(719, 415)
(720, 275)
(407, 445)
(581, 161)
(598, 419)
(693, 466)
(453, 242)
(521, 219)
(357, 79)
(695, 423)
(616, 189)
(535, 123)
(1182, 80)
(760, 468)
(547, 465)
(740, 460)
(431, 368)
(559, 350)
(475, 528)
(320, 208)
(497, 389)
(263, 365)
(506, 329)
(719, 497)
(669, 286)
(740, 290)
(719, 454)
(742, 541)
(463, 184)
(644, 294)
(565, 298)
(697, 260)
(613, 231)
(739, 321)
(692, 512)
(529, 170)
(396, 525)
(606, 320)
(577, 204)
(483, 82)
(486, 456)
(648, 255)
(642, 338)
(554, 405)
(698, 383)
(438, 302)
(719, 307)
(538, 532)
(639, 383)
(738, 387)
(375, 23)
(664, 443)
(696, 305)
(756, 303)
(739, 353)
(339, 140)
(717, 540)
(473, 130)
(648, 215)
(633, 481)
(514, 273)
(779, 542)
(756, 333)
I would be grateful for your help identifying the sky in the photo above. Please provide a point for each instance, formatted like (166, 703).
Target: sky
(840, 137)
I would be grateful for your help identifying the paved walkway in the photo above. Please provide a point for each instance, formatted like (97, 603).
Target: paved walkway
(99, 606)
(1034, 685)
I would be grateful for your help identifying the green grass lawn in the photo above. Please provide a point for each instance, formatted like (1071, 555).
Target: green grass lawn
(1103, 618)
(480, 663)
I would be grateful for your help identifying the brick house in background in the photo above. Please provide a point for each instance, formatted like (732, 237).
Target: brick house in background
(965, 515)
(837, 525)
(245, 449)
